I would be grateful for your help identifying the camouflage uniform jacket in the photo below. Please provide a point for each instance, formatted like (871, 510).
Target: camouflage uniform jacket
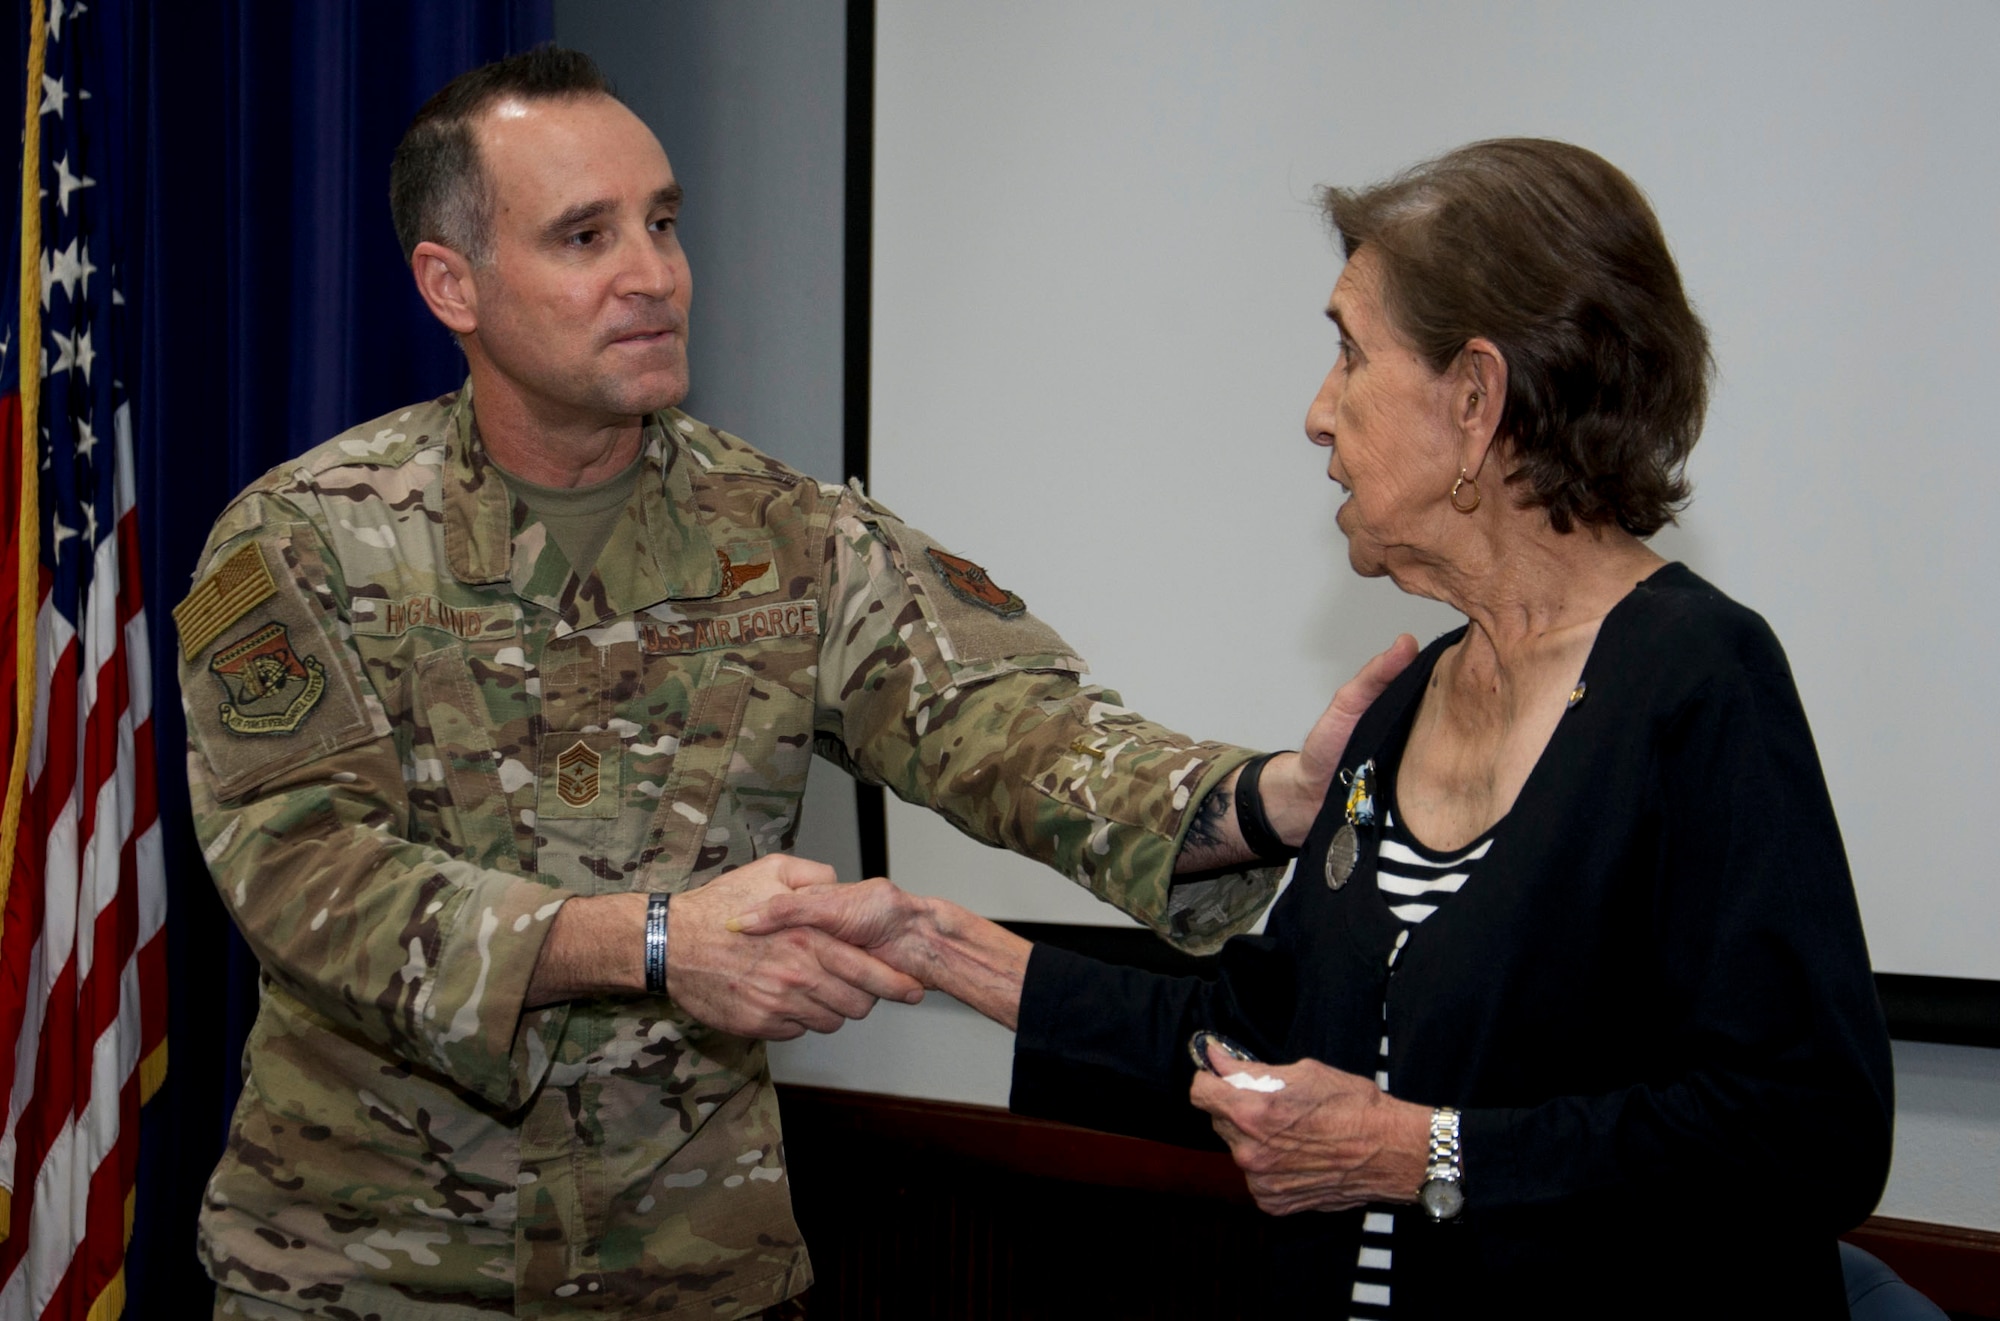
(415, 733)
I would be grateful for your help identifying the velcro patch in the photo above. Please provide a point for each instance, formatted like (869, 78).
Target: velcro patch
(970, 584)
(278, 690)
(240, 585)
(976, 620)
(576, 774)
(581, 781)
(393, 618)
(271, 688)
(789, 619)
(747, 569)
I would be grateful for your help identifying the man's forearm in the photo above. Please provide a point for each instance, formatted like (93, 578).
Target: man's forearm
(1293, 784)
(765, 986)
(1214, 839)
(595, 947)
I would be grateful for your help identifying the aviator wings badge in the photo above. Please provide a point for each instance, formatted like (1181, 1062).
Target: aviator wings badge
(970, 584)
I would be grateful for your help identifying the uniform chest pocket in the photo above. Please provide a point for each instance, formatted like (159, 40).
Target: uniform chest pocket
(453, 771)
(684, 837)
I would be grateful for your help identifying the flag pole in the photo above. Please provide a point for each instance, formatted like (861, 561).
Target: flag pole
(27, 599)
(28, 534)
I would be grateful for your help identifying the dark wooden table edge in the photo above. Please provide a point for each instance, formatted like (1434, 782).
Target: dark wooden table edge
(1957, 1268)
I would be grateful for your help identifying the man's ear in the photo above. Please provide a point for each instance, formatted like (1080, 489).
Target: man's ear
(445, 280)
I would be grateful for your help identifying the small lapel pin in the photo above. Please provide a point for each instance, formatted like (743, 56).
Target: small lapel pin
(1345, 848)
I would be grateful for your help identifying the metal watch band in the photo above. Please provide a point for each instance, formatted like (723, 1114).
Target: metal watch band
(1443, 1193)
(1250, 818)
(1444, 1162)
(656, 944)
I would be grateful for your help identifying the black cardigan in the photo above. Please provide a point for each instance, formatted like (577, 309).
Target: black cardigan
(1652, 1002)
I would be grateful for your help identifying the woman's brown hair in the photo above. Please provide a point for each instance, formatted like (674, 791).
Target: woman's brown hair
(1549, 251)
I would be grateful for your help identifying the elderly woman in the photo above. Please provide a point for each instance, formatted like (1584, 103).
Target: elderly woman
(1569, 987)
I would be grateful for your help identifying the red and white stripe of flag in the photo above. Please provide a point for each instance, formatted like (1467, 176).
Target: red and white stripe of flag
(90, 884)
(82, 954)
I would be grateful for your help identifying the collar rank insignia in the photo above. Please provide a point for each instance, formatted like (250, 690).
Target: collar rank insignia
(576, 775)
(271, 688)
(969, 583)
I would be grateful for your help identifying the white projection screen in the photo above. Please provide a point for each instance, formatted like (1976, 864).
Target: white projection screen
(1098, 277)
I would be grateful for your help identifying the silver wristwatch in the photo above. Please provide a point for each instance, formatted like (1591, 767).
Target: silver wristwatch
(1443, 1193)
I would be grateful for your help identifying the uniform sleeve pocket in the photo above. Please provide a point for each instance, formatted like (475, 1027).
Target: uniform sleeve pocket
(977, 624)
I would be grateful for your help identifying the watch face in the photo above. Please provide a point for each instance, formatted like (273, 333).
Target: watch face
(1442, 1198)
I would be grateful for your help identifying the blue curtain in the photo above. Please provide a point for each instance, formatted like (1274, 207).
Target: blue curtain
(274, 310)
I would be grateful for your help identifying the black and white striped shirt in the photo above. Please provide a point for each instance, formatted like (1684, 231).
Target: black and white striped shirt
(1413, 881)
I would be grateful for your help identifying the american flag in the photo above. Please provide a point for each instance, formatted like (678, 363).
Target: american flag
(82, 954)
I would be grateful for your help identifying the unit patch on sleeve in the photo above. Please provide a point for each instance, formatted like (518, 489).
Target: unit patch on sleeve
(269, 684)
(239, 585)
(271, 689)
(969, 583)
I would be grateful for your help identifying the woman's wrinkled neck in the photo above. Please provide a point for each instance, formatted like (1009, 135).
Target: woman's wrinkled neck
(1524, 588)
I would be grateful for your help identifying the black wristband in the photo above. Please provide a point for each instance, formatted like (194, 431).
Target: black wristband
(1250, 819)
(656, 944)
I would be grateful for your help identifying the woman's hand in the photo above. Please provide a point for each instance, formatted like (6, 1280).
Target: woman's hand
(942, 945)
(1326, 1141)
(1292, 784)
(875, 916)
(776, 984)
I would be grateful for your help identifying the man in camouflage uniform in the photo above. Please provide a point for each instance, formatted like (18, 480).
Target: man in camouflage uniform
(438, 766)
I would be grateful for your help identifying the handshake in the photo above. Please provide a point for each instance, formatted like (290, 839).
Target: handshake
(778, 947)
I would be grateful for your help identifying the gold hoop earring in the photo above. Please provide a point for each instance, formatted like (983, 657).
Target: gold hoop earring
(1464, 480)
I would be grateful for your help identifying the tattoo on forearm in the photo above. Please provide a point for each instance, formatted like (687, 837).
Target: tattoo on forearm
(1209, 830)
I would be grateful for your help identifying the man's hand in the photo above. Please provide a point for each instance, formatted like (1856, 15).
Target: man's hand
(939, 943)
(776, 985)
(875, 915)
(1326, 1141)
(1293, 784)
